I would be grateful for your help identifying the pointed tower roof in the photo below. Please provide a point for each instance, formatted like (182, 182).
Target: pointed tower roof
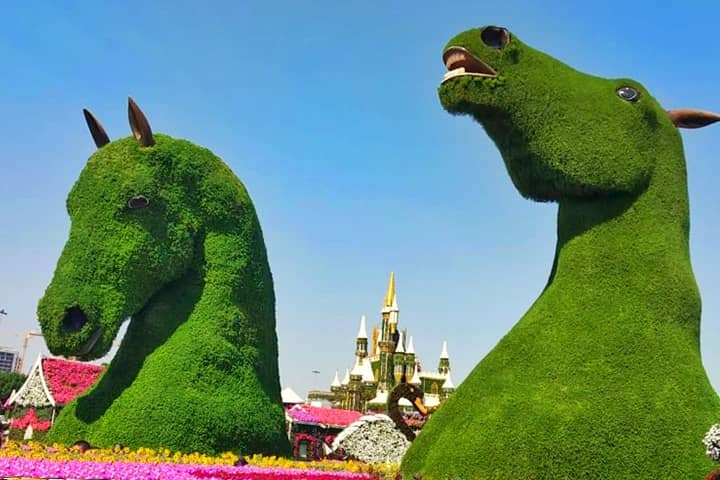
(357, 369)
(394, 306)
(336, 380)
(362, 333)
(415, 380)
(411, 346)
(400, 347)
(346, 378)
(444, 353)
(448, 383)
(390, 295)
(289, 396)
(368, 375)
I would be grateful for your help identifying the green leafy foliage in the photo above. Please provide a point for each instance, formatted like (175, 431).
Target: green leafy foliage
(10, 381)
(197, 369)
(602, 378)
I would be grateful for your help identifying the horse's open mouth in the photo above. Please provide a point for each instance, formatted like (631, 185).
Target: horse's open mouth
(91, 342)
(461, 63)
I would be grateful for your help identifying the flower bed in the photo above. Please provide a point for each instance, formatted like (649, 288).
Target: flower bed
(30, 418)
(46, 468)
(35, 460)
(321, 415)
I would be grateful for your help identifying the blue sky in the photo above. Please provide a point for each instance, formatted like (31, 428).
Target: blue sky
(329, 114)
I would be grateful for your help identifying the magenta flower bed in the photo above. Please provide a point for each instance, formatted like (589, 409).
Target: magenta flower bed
(43, 468)
(66, 379)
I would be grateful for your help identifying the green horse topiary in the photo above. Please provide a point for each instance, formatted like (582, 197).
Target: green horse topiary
(602, 378)
(162, 231)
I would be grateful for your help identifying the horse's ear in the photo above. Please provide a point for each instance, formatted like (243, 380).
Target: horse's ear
(96, 129)
(139, 125)
(689, 118)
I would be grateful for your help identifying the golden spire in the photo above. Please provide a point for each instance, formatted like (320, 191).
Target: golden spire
(375, 341)
(390, 295)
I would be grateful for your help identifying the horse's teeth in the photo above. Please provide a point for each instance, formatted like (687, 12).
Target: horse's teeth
(452, 73)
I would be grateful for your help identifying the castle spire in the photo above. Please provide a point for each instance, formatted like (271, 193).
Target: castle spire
(444, 353)
(390, 295)
(362, 333)
(361, 343)
(411, 346)
(415, 380)
(444, 366)
(336, 380)
(400, 347)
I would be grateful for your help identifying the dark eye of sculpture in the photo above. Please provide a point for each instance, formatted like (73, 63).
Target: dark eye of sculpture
(138, 202)
(495, 37)
(628, 93)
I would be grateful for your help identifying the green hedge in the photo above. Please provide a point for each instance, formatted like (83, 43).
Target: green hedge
(10, 381)
(17, 435)
(197, 369)
(602, 378)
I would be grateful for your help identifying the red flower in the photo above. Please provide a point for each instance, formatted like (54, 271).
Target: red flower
(299, 437)
(30, 418)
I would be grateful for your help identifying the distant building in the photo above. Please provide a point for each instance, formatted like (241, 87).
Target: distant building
(389, 361)
(8, 360)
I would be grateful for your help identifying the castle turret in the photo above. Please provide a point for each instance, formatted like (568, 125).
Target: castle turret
(415, 379)
(394, 312)
(335, 386)
(448, 387)
(375, 341)
(399, 361)
(409, 360)
(361, 343)
(355, 387)
(444, 365)
(387, 343)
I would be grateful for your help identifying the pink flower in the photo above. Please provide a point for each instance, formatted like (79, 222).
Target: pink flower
(326, 416)
(66, 379)
(44, 468)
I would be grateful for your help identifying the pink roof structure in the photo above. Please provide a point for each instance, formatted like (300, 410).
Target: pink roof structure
(326, 416)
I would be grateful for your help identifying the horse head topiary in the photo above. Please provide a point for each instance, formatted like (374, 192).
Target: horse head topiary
(163, 232)
(602, 377)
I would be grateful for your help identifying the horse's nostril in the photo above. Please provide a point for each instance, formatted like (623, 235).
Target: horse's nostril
(74, 319)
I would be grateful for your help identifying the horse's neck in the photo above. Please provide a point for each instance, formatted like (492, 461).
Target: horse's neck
(629, 248)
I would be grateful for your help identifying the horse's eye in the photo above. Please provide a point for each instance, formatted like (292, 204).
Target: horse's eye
(138, 202)
(628, 93)
(495, 37)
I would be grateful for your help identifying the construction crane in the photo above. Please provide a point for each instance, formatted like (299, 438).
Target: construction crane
(24, 349)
